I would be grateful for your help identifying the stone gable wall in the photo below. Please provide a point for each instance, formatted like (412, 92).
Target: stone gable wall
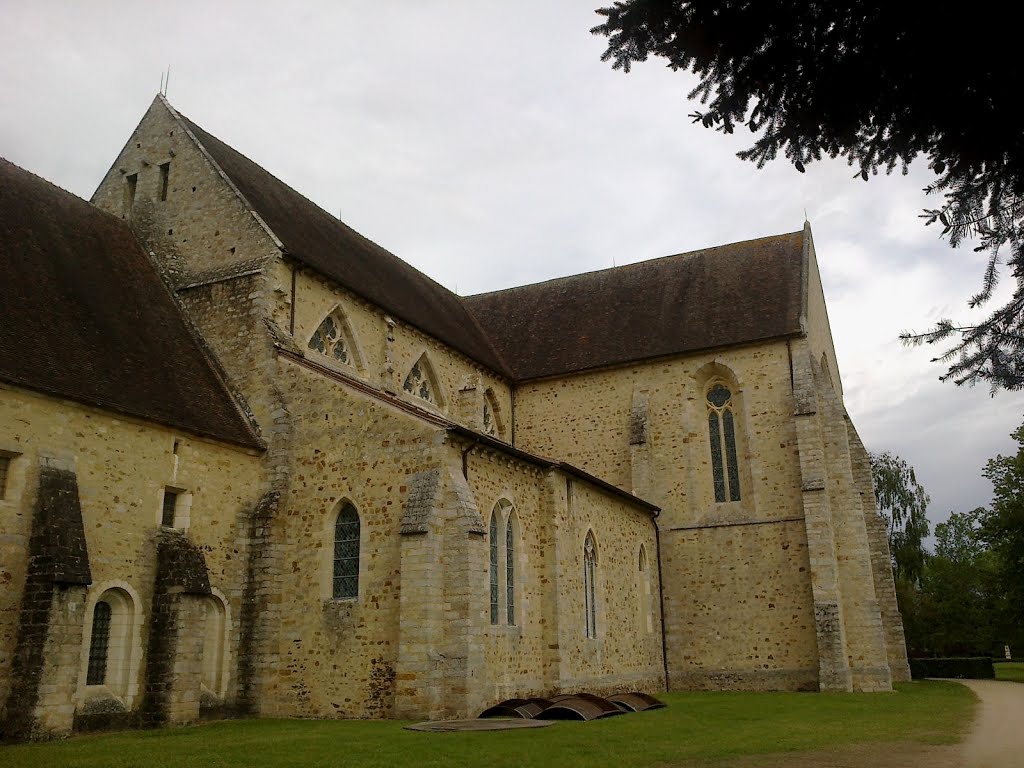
(384, 355)
(729, 568)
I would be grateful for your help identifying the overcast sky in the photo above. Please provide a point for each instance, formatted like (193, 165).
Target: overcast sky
(487, 144)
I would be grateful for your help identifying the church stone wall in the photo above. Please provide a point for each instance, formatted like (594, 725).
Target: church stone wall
(384, 354)
(337, 657)
(121, 467)
(644, 427)
(546, 650)
(202, 226)
(624, 655)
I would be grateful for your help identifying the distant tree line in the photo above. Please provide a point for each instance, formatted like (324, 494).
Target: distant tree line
(966, 598)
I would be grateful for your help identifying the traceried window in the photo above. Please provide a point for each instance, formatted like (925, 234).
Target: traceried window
(329, 340)
(493, 536)
(346, 554)
(99, 642)
(722, 433)
(510, 573)
(418, 382)
(590, 584)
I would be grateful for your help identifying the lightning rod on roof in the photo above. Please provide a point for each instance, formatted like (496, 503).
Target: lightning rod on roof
(165, 79)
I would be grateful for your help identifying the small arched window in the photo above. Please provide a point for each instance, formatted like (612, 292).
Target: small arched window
(99, 643)
(346, 554)
(112, 636)
(510, 572)
(722, 434)
(493, 537)
(590, 584)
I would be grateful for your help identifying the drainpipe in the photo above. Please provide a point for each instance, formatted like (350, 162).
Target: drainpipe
(661, 594)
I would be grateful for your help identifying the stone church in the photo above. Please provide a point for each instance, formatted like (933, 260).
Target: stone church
(252, 463)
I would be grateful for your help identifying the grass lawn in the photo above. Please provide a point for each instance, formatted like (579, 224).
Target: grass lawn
(1010, 670)
(693, 726)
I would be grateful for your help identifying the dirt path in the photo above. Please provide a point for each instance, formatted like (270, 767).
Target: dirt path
(996, 740)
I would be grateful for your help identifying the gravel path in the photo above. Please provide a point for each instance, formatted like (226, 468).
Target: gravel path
(996, 739)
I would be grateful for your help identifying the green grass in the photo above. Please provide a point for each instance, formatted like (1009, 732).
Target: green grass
(693, 726)
(1010, 670)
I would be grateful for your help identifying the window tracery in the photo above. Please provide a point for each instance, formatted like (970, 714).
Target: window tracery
(329, 340)
(420, 381)
(722, 435)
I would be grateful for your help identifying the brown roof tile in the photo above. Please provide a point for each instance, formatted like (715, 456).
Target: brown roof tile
(320, 241)
(731, 294)
(84, 315)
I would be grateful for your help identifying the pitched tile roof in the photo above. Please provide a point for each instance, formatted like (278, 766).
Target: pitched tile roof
(731, 294)
(84, 315)
(320, 241)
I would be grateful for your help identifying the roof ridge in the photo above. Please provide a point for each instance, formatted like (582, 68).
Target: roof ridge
(635, 264)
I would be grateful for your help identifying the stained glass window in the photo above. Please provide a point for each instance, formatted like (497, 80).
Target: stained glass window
(510, 573)
(346, 554)
(722, 434)
(329, 340)
(98, 643)
(494, 567)
(589, 585)
(418, 383)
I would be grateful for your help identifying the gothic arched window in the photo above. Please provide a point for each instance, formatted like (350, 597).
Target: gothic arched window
(346, 554)
(420, 381)
(590, 584)
(329, 339)
(493, 535)
(722, 433)
(510, 572)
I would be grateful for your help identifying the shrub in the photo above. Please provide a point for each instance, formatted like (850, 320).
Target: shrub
(964, 667)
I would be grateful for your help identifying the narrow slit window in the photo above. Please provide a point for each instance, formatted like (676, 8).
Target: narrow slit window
(98, 644)
(493, 535)
(589, 585)
(165, 172)
(131, 182)
(169, 508)
(5, 466)
(346, 554)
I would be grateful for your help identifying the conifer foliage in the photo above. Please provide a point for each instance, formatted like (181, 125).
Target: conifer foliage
(878, 83)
